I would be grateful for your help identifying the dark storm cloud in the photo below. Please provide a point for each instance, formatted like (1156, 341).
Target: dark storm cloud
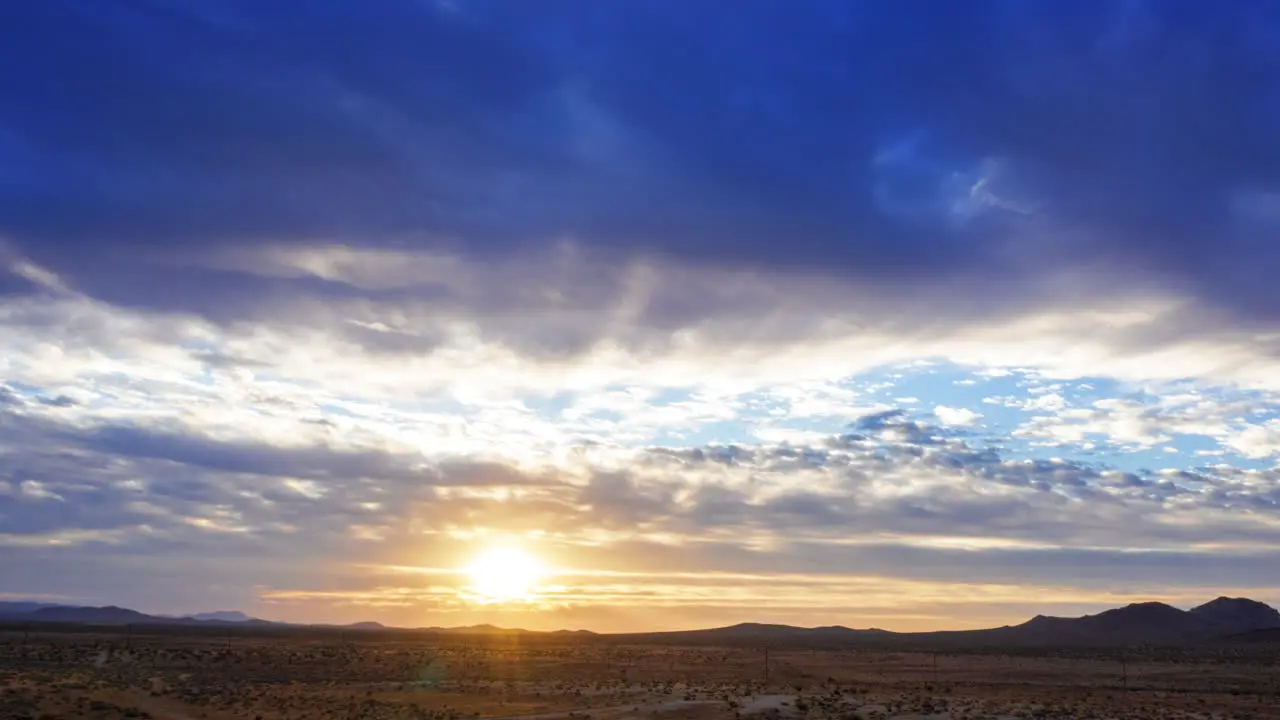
(912, 141)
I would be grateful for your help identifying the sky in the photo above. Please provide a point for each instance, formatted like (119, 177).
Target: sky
(907, 314)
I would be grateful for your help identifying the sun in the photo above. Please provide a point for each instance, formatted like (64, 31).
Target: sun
(504, 574)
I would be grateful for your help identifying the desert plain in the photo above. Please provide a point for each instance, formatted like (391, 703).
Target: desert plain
(184, 674)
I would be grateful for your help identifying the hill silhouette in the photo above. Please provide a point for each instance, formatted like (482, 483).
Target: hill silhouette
(1238, 615)
(21, 607)
(1146, 623)
(755, 633)
(109, 615)
(231, 616)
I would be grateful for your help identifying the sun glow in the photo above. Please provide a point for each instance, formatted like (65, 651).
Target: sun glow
(504, 574)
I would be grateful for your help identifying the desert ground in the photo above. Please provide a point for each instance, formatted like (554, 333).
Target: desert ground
(174, 675)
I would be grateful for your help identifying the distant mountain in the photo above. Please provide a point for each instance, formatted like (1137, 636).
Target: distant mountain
(756, 633)
(110, 615)
(1139, 623)
(483, 629)
(231, 616)
(21, 607)
(1148, 623)
(1231, 616)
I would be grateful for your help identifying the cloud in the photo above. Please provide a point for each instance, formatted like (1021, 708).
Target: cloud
(1257, 441)
(615, 277)
(1015, 188)
(902, 501)
(1155, 415)
(1049, 401)
(956, 416)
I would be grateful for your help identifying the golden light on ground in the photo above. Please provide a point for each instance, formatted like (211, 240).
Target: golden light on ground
(504, 574)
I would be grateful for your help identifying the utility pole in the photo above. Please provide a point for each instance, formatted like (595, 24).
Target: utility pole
(766, 667)
(1124, 671)
(935, 668)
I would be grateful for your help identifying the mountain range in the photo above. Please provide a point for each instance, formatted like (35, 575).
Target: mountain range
(1148, 623)
(112, 615)
(36, 612)
(233, 616)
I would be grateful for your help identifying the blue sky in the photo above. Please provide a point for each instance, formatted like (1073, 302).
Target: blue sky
(909, 314)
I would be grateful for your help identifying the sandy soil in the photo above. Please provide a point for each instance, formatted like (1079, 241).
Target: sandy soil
(174, 678)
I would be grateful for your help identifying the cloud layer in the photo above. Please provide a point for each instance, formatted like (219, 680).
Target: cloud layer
(860, 297)
(883, 143)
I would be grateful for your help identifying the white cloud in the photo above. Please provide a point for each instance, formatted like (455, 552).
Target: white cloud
(956, 416)
(568, 321)
(1218, 414)
(794, 496)
(298, 435)
(1257, 441)
(1049, 401)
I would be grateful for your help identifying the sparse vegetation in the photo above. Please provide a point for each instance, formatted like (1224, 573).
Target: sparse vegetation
(62, 675)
